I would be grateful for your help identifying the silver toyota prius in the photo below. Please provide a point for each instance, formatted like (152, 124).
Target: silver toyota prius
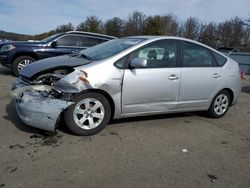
(132, 76)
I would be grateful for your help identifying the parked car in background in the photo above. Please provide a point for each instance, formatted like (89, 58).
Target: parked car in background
(17, 54)
(227, 49)
(132, 76)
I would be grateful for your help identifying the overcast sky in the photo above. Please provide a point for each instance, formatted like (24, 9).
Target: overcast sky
(37, 16)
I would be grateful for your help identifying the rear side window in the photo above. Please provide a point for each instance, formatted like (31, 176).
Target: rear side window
(195, 55)
(68, 40)
(89, 41)
(220, 60)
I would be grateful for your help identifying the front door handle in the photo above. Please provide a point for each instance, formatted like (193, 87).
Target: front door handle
(173, 77)
(216, 75)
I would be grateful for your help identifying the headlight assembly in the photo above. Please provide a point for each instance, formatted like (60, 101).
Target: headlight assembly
(7, 47)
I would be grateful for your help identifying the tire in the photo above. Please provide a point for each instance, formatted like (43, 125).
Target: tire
(89, 115)
(219, 105)
(20, 62)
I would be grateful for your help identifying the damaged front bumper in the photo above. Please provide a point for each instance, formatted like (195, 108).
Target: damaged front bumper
(37, 108)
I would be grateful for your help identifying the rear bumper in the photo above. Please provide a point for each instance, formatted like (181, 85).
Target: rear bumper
(38, 111)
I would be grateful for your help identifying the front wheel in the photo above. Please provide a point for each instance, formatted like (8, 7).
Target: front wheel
(89, 115)
(20, 62)
(219, 105)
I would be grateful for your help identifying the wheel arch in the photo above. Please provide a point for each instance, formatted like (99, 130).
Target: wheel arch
(231, 93)
(105, 94)
(19, 54)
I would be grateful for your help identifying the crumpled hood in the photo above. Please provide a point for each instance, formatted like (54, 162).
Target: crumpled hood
(52, 64)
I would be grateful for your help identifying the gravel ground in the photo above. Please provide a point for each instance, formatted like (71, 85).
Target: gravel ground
(177, 150)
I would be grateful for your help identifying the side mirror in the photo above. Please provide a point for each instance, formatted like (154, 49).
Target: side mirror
(138, 63)
(54, 44)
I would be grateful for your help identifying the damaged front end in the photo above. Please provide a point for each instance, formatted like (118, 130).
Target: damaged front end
(39, 103)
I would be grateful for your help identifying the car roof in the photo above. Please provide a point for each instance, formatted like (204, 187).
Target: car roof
(92, 34)
(152, 37)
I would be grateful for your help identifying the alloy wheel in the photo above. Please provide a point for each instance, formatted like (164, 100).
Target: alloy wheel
(221, 104)
(22, 64)
(88, 113)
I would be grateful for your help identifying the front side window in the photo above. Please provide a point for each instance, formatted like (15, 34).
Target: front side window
(195, 55)
(68, 40)
(159, 54)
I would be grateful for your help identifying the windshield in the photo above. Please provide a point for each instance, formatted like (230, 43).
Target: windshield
(110, 48)
(50, 38)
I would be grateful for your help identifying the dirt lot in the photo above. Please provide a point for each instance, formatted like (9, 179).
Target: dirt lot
(180, 150)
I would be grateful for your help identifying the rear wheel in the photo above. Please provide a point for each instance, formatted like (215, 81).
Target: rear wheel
(220, 104)
(20, 62)
(89, 115)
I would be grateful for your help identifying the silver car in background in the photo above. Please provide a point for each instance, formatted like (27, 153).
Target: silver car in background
(132, 76)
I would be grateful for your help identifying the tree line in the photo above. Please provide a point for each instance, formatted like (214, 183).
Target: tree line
(234, 32)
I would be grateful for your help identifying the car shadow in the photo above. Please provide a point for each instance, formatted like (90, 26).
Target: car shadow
(5, 71)
(150, 117)
(14, 119)
(246, 89)
(121, 122)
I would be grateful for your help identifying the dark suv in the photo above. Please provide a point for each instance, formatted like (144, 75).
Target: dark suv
(17, 55)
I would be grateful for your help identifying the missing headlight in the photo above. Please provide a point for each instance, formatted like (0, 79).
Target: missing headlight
(50, 78)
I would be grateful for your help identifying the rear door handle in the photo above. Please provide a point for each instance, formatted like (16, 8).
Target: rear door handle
(173, 77)
(216, 75)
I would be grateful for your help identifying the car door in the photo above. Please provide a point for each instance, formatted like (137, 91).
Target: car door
(154, 88)
(200, 77)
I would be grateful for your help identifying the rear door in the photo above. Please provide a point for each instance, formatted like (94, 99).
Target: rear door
(156, 87)
(200, 77)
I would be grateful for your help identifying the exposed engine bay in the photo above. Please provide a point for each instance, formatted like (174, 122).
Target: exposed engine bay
(52, 77)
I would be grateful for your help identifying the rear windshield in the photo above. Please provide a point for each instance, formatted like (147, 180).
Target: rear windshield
(110, 48)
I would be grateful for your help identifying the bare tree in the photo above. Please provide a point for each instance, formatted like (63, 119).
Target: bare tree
(81, 27)
(208, 34)
(65, 28)
(231, 32)
(161, 25)
(91, 24)
(114, 27)
(170, 24)
(191, 28)
(153, 26)
(134, 24)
